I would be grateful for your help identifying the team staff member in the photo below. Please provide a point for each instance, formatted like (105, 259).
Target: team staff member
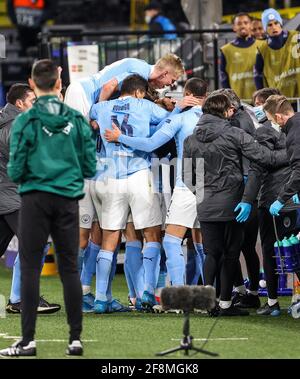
(216, 149)
(267, 183)
(20, 98)
(238, 58)
(242, 298)
(51, 151)
(278, 61)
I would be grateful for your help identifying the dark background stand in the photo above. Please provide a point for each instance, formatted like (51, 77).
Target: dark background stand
(186, 343)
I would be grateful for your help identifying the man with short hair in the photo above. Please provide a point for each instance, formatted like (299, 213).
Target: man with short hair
(238, 58)
(51, 152)
(20, 98)
(257, 29)
(280, 111)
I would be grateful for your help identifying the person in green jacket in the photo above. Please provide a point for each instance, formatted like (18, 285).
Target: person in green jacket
(51, 152)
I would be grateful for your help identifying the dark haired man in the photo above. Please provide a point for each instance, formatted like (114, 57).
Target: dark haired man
(20, 98)
(51, 152)
(238, 58)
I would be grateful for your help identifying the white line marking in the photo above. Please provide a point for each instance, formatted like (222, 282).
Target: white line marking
(6, 337)
(216, 339)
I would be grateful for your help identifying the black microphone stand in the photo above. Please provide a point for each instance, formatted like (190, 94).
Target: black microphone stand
(186, 343)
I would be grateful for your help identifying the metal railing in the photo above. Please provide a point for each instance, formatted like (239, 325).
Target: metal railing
(199, 49)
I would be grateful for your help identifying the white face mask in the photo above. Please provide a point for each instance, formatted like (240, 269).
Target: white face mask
(148, 19)
(259, 112)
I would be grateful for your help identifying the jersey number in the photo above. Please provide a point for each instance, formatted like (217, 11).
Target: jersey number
(124, 127)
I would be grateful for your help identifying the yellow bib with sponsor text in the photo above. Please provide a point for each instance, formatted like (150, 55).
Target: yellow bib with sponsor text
(239, 67)
(282, 66)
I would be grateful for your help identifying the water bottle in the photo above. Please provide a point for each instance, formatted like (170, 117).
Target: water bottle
(279, 256)
(295, 310)
(287, 248)
(296, 252)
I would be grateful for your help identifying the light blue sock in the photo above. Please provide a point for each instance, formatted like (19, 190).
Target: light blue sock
(175, 259)
(129, 281)
(15, 291)
(134, 263)
(81, 253)
(103, 269)
(89, 263)
(112, 274)
(191, 267)
(151, 261)
(200, 259)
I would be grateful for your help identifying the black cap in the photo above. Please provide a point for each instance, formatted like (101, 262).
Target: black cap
(153, 5)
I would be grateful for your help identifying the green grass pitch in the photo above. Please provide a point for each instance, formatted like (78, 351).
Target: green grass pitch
(136, 335)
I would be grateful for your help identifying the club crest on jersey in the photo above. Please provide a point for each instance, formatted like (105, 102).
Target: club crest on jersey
(85, 219)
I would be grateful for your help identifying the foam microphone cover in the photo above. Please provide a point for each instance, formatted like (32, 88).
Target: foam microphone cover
(177, 298)
(204, 297)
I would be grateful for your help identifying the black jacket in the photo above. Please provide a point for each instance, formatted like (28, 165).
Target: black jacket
(242, 120)
(292, 131)
(9, 198)
(267, 181)
(218, 176)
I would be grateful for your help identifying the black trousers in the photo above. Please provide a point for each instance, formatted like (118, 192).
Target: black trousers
(250, 254)
(222, 243)
(43, 214)
(8, 228)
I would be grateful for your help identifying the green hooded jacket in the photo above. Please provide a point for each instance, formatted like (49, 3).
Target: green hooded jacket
(51, 149)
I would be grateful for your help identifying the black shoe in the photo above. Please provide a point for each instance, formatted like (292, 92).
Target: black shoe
(268, 310)
(75, 348)
(248, 301)
(237, 297)
(215, 312)
(18, 350)
(13, 307)
(47, 308)
(233, 311)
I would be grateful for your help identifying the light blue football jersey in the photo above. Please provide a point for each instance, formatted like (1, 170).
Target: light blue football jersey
(178, 126)
(133, 116)
(119, 70)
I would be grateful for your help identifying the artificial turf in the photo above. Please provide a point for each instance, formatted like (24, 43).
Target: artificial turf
(140, 335)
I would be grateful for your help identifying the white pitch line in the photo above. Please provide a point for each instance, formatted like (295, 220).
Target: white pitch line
(6, 337)
(65, 340)
(216, 339)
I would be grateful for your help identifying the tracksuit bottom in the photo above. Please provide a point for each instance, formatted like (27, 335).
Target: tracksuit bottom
(222, 243)
(8, 228)
(43, 214)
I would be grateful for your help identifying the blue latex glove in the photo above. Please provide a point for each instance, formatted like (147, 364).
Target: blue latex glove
(275, 208)
(245, 210)
(296, 199)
